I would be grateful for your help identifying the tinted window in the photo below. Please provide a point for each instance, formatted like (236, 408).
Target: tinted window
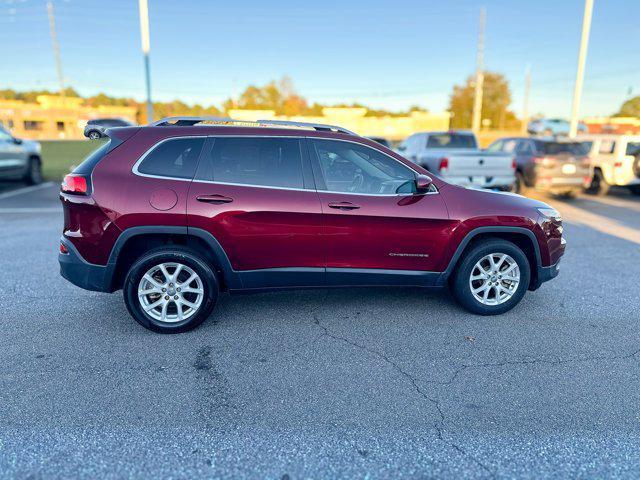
(556, 148)
(176, 158)
(451, 140)
(352, 168)
(633, 148)
(524, 148)
(270, 162)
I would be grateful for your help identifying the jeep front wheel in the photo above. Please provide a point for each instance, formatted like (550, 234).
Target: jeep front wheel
(492, 277)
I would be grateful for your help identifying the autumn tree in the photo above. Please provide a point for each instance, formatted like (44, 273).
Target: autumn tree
(496, 100)
(630, 108)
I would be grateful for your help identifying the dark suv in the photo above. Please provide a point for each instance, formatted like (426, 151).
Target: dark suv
(177, 211)
(557, 166)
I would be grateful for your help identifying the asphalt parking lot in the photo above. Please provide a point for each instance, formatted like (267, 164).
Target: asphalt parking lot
(363, 383)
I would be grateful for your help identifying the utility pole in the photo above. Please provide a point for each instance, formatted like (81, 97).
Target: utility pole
(477, 100)
(582, 58)
(144, 35)
(525, 104)
(56, 47)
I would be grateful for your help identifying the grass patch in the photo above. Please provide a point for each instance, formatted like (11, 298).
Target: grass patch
(59, 157)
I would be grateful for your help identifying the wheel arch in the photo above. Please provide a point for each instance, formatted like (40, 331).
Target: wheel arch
(135, 241)
(521, 237)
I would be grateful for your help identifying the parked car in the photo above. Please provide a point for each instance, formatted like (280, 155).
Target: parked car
(95, 128)
(615, 160)
(381, 141)
(456, 158)
(19, 159)
(559, 167)
(553, 127)
(175, 212)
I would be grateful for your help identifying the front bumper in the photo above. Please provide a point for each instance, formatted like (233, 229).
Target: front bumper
(81, 273)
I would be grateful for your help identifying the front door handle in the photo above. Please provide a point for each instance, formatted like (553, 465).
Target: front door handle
(344, 206)
(215, 199)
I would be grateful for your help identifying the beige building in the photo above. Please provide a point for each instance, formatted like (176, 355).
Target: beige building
(54, 117)
(355, 119)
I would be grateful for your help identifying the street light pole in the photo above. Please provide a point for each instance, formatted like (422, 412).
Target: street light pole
(56, 46)
(525, 103)
(144, 35)
(582, 57)
(477, 100)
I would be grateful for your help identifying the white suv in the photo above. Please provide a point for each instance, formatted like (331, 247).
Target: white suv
(615, 160)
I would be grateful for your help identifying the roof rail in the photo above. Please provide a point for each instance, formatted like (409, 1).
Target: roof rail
(190, 121)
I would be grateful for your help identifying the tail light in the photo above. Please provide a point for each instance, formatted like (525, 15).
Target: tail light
(545, 161)
(63, 249)
(513, 163)
(444, 164)
(75, 184)
(617, 164)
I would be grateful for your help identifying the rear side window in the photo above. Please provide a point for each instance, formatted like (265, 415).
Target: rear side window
(176, 158)
(451, 140)
(633, 148)
(556, 148)
(268, 162)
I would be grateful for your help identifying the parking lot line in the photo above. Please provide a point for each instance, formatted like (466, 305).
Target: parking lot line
(20, 191)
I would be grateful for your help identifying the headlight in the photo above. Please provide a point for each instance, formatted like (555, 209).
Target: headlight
(550, 213)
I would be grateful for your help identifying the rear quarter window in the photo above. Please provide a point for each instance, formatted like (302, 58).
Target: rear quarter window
(174, 158)
(451, 140)
(557, 148)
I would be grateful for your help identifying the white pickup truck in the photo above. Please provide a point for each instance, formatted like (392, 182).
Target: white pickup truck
(456, 158)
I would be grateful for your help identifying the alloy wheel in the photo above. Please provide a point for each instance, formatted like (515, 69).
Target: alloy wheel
(170, 292)
(494, 279)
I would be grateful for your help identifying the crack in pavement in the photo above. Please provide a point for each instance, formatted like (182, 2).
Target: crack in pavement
(439, 426)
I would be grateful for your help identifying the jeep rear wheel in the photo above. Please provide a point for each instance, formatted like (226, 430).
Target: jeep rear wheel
(93, 135)
(492, 277)
(170, 290)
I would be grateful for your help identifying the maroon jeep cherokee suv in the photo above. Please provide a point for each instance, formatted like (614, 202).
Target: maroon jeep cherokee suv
(177, 211)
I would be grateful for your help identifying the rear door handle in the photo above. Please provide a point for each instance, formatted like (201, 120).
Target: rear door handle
(215, 199)
(344, 206)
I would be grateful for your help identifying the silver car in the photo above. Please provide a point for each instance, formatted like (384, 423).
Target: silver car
(96, 127)
(19, 159)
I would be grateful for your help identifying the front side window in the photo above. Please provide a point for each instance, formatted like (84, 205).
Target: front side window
(351, 168)
(268, 162)
(176, 158)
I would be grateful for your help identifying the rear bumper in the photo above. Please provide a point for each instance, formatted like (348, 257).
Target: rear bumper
(81, 273)
(497, 182)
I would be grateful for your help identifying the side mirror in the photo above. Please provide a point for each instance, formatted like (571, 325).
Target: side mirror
(17, 141)
(423, 183)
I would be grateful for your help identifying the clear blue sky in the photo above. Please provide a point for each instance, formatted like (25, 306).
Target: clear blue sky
(381, 53)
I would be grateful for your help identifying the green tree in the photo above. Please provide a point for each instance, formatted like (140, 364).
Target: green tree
(496, 100)
(630, 108)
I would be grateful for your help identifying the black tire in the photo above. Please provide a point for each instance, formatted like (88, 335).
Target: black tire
(599, 185)
(461, 286)
(34, 172)
(636, 166)
(634, 189)
(94, 135)
(521, 184)
(170, 254)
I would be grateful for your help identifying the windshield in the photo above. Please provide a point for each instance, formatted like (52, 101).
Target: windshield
(451, 140)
